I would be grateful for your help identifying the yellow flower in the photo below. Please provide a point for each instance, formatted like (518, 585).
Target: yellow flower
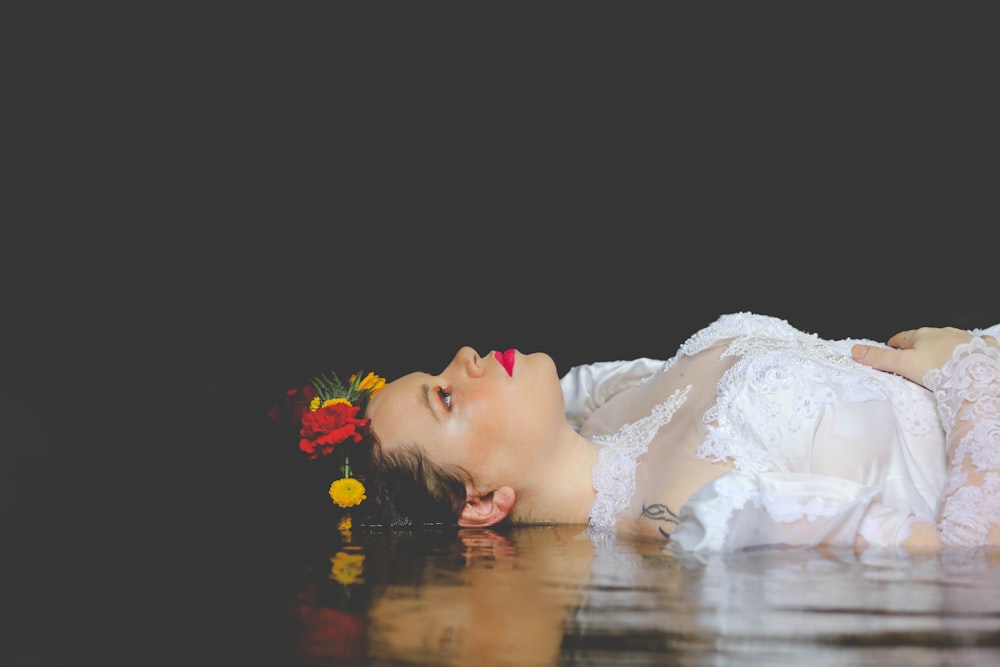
(316, 403)
(372, 383)
(347, 492)
(348, 568)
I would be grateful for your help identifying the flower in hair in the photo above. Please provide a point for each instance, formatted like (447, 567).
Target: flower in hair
(326, 411)
(325, 427)
(347, 492)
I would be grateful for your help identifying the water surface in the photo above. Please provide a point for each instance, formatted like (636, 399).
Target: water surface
(559, 596)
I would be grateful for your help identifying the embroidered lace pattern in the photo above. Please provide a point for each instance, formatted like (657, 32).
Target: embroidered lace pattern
(967, 390)
(614, 472)
(776, 358)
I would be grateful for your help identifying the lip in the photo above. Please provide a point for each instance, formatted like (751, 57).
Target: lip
(506, 359)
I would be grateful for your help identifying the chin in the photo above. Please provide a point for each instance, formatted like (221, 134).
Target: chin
(546, 379)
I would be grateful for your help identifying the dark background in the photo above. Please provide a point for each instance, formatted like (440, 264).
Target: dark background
(206, 203)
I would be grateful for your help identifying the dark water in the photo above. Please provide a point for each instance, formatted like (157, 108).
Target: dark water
(556, 596)
(520, 596)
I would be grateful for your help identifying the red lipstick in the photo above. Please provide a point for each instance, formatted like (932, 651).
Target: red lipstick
(506, 359)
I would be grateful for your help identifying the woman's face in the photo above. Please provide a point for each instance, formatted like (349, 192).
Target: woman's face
(482, 414)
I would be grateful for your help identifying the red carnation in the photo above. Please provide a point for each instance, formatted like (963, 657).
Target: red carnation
(293, 405)
(325, 428)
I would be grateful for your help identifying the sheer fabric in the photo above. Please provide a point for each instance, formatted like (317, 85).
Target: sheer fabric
(967, 390)
(757, 433)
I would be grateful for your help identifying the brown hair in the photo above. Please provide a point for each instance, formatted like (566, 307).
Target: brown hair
(405, 488)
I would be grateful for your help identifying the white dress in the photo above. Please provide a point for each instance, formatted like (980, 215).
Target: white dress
(755, 433)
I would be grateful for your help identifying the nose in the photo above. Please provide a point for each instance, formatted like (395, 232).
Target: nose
(468, 361)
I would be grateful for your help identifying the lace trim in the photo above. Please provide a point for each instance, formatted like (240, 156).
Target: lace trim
(967, 390)
(614, 472)
(736, 325)
(777, 358)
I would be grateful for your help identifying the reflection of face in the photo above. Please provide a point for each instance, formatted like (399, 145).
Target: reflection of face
(474, 414)
(506, 606)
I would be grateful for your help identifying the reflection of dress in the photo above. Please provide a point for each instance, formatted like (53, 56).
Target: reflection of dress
(757, 433)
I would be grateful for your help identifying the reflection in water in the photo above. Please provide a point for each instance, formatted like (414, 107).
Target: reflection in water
(556, 595)
(788, 607)
(507, 601)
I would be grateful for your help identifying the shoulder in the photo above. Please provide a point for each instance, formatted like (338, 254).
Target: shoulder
(587, 387)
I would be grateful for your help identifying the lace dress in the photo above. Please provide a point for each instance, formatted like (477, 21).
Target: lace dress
(756, 433)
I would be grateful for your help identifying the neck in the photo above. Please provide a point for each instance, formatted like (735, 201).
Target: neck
(563, 490)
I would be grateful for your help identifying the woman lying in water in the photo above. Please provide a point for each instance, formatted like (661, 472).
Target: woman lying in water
(753, 433)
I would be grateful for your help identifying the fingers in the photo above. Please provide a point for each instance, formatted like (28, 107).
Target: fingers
(907, 362)
(913, 352)
(903, 340)
(879, 358)
(901, 357)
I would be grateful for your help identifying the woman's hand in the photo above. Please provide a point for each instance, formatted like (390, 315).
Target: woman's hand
(916, 351)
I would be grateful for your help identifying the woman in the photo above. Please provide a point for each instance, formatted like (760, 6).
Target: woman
(754, 433)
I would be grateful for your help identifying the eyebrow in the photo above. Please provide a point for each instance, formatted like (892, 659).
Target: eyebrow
(425, 393)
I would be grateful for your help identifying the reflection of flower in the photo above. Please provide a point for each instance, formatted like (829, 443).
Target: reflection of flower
(326, 412)
(329, 632)
(348, 566)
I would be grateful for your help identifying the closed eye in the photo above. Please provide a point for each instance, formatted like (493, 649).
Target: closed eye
(445, 398)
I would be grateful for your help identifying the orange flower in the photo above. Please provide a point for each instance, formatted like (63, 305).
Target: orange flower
(372, 384)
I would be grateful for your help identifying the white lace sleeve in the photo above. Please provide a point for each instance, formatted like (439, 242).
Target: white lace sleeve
(967, 391)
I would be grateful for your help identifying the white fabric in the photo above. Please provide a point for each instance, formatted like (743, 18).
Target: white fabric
(967, 390)
(757, 433)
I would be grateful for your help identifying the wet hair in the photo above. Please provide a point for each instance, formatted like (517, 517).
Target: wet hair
(406, 489)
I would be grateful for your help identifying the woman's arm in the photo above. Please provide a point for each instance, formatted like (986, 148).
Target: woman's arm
(963, 371)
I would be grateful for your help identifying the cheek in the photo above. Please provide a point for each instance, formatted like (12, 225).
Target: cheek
(467, 435)
(485, 424)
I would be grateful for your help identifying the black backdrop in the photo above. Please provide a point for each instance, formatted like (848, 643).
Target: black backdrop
(205, 203)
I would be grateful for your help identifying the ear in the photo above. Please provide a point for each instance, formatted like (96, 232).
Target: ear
(486, 509)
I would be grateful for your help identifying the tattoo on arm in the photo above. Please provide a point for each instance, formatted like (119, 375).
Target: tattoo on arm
(660, 512)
